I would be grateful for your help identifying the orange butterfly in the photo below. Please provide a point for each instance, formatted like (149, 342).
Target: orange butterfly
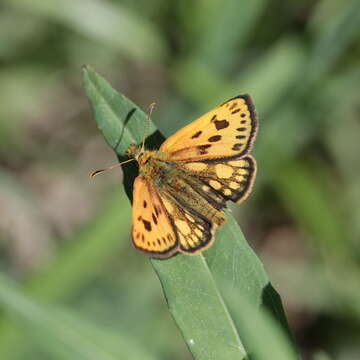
(182, 188)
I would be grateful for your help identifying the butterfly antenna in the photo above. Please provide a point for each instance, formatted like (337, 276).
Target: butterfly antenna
(151, 108)
(97, 172)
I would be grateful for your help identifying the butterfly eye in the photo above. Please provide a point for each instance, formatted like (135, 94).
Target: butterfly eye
(131, 150)
(144, 158)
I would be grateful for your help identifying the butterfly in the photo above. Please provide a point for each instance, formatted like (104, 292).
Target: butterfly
(182, 188)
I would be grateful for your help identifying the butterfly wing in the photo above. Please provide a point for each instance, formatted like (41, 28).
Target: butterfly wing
(152, 230)
(212, 183)
(227, 131)
(212, 165)
(225, 179)
(194, 230)
(161, 227)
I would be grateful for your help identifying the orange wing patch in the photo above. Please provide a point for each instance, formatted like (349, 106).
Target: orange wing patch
(227, 131)
(230, 180)
(152, 229)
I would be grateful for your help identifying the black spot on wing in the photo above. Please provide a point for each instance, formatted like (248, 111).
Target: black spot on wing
(157, 210)
(202, 149)
(221, 124)
(197, 134)
(147, 225)
(236, 147)
(214, 138)
(233, 105)
(154, 219)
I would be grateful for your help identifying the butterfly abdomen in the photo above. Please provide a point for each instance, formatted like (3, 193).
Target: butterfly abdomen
(152, 168)
(187, 197)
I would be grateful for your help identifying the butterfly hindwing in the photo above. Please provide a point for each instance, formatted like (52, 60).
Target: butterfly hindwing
(226, 179)
(194, 231)
(227, 131)
(152, 229)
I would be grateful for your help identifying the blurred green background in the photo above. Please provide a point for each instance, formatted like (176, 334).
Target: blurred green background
(71, 284)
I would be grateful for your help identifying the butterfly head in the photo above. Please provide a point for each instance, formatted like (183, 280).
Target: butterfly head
(133, 151)
(138, 153)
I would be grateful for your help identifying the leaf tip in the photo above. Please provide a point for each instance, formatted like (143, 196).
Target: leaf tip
(87, 70)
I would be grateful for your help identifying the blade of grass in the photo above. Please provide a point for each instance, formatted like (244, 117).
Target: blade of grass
(187, 282)
(214, 43)
(74, 267)
(307, 193)
(61, 333)
(333, 39)
(267, 79)
(112, 24)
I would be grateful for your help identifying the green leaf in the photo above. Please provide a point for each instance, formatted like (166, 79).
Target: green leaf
(198, 308)
(196, 287)
(237, 270)
(110, 106)
(259, 333)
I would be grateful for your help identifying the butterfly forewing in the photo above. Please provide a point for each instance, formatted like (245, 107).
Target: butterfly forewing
(226, 131)
(152, 229)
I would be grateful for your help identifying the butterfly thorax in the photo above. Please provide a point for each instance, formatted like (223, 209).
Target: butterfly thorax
(173, 182)
(153, 164)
